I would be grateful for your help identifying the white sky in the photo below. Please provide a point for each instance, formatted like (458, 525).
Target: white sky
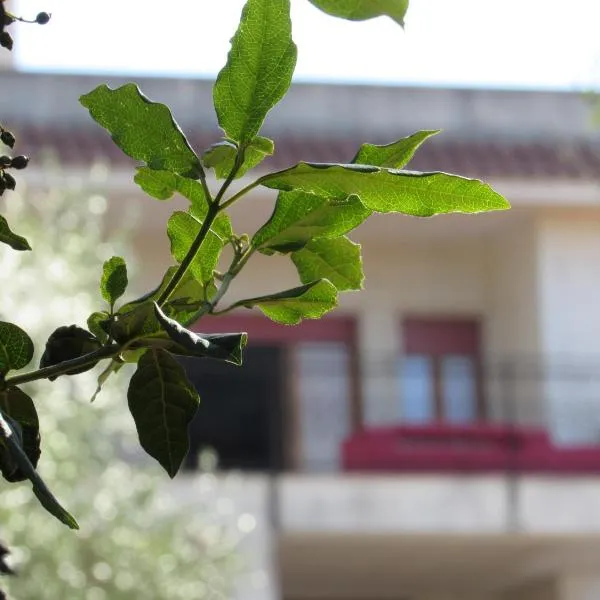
(499, 43)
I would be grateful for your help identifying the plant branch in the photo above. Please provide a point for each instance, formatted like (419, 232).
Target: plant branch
(211, 214)
(63, 367)
(239, 194)
(207, 193)
(239, 161)
(227, 279)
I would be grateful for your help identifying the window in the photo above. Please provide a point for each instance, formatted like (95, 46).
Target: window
(291, 404)
(440, 373)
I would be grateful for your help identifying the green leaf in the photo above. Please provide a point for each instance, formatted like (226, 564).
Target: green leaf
(16, 242)
(94, 325)
(299, 217)
(395, 155)
(163, 184)
(163, 403)
(360, 10)
(10, 438)
(259, 69)
(136, 319)
(227, 347)
(114, 279)
(183, 228)
(337, 260)
(67, 343)
(310, 301)
(390, 190)
(143, 129)
(16, 348)
(221, 156)
(137, 322)
(17, 405)
(188, 287)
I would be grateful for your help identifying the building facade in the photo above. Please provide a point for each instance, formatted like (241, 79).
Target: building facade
(438, 436)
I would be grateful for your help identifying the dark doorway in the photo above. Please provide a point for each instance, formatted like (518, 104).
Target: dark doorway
(241, 410)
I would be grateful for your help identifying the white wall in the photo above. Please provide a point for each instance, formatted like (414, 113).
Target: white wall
(569, 317)
(511, 328)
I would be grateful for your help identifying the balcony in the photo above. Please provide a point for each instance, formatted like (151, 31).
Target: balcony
(480, 448)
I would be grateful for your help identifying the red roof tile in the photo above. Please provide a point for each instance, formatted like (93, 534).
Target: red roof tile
(473, 158)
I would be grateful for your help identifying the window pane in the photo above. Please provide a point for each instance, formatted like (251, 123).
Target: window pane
(323, 370)
(417, 389)
(459, 389)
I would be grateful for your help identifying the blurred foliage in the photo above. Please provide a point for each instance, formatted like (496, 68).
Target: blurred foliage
(134, 542)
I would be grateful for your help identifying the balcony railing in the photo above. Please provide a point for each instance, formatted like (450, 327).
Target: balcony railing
(525, 414)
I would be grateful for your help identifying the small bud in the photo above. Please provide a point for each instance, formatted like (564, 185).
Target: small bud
(9, 181)
(7, 138)
(19, 162)
(5, 161)
(42, 18)
(6, 40)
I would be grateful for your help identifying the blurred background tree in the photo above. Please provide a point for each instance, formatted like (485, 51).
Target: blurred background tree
(134, 541)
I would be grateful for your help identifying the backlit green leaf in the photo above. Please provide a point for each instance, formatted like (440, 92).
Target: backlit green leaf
(310, 301)
(395, 155)
(16, 348)
(259, 69)
(360, 10)
(299, 217)
(11, 440)
(114, 279)
(143, 129)
(163, 403)
(221, 156)
(136, 319)
(183, 228)
(222, 346)
(163, 184)
(390, 190)
(337, 260)
(16, 242)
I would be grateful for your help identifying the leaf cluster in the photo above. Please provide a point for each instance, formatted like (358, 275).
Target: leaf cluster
(317, 207)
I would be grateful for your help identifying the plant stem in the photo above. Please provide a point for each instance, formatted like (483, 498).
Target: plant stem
(63, 367)
(213, 210)
(227, 279)
(239, 194)
(211, 214)
(207, 193)
(239, 160)
(238, 265)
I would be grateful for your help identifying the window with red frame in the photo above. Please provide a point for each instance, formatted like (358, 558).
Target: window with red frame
(440, 371)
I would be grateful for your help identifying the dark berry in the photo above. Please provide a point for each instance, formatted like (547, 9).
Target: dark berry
(8, 19)
(19, 162)
(2, 186)
(5, 40)
(42, 18)
(5, 161)
(7, 138)
(9, 181)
